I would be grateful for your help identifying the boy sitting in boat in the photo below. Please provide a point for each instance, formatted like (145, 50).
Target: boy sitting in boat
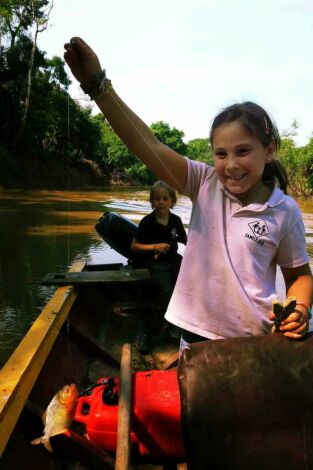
(155, 246)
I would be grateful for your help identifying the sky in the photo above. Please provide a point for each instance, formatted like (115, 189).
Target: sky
(182, 61)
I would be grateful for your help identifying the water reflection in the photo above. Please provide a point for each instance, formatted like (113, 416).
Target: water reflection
(45, 231)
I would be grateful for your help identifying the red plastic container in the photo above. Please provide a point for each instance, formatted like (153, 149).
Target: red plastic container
(155, 424)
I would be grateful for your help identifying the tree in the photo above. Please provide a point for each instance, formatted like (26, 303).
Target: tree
(112, 152)
(306, 155)
(46, 128)
(173, 138)
(40, 20)
(18, 15)
(57, 125)
(297, 161)
(200, 149)
(14, 65)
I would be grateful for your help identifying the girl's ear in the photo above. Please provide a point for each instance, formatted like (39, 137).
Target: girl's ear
(271, 151)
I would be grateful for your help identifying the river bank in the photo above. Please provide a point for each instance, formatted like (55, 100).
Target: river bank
(55, 173)
(49, 173)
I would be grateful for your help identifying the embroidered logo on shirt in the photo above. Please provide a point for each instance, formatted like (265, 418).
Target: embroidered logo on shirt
(259, 229)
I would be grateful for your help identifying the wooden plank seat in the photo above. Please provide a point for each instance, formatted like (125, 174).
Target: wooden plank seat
(95, 277)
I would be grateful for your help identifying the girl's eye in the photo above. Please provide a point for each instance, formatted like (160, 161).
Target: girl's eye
(219, 154)
(243, 151)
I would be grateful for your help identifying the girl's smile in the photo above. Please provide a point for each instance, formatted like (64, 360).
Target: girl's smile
(239, 161)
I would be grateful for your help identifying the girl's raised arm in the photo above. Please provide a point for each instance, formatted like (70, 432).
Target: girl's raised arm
(164, 162)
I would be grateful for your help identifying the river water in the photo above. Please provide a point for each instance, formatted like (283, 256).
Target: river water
(45, 231)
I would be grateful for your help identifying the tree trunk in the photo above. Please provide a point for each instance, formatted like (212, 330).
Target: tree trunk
(28, 92)
(30, 72)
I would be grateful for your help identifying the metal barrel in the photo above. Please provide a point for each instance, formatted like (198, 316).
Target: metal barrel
(248, 403)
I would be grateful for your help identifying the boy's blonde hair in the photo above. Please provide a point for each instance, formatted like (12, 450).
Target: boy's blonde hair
(161, 184)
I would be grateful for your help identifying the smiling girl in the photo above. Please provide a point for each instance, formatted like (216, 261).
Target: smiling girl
(242, 226)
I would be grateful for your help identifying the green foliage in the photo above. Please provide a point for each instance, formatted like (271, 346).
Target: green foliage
(17, 16)
(298, 162)
(111, 151)
(200, 149)
(116, 157)
(55, 72)
(58, 125)
(173, 138)
(139, 173)
(55, 124)
(13, 80)
(307, 164)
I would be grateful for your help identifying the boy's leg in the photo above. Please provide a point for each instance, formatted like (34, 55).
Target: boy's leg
(162, 280)
(164, 276)
(174, 331)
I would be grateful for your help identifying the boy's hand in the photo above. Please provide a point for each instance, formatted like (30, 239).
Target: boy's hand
(162, 247)
(82, 60)
(295, 326)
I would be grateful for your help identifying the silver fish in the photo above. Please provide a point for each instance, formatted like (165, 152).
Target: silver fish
(59, 415)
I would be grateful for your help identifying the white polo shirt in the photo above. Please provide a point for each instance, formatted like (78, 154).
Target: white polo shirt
(226, 282)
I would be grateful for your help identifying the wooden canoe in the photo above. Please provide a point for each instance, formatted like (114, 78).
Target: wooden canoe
(78, 337)
(260, 406)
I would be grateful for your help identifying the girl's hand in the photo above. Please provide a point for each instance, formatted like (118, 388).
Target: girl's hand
(82, 60)
(296, 325)
(162, 247)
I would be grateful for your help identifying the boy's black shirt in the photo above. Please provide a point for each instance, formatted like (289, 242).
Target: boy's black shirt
(150, 231)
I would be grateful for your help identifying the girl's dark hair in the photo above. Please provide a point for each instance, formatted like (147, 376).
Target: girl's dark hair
(161, 184)
(258, 123)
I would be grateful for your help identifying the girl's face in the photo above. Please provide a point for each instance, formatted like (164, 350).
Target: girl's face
(161, 201)
(239, 159)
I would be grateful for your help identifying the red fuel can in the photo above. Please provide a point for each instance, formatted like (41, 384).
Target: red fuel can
(155, 421)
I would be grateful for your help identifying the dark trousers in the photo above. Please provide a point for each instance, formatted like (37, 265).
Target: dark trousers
(164, 277)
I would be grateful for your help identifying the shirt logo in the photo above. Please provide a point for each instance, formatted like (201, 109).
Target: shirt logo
(259, 229)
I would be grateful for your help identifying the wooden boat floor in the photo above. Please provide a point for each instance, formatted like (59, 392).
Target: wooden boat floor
(120, 322)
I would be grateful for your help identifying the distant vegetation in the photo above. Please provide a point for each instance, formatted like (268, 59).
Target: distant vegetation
(38, 148)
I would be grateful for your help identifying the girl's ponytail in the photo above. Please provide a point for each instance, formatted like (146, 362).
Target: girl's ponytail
(274, 171)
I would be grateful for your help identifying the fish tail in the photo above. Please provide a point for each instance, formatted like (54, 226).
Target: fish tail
(45, 442)
(37, 441)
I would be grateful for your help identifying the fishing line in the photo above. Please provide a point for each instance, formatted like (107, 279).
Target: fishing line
(178, 185)
(68, 202)
(68, 161)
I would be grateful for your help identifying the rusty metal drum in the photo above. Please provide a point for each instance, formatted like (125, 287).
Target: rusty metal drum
(247, 403)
